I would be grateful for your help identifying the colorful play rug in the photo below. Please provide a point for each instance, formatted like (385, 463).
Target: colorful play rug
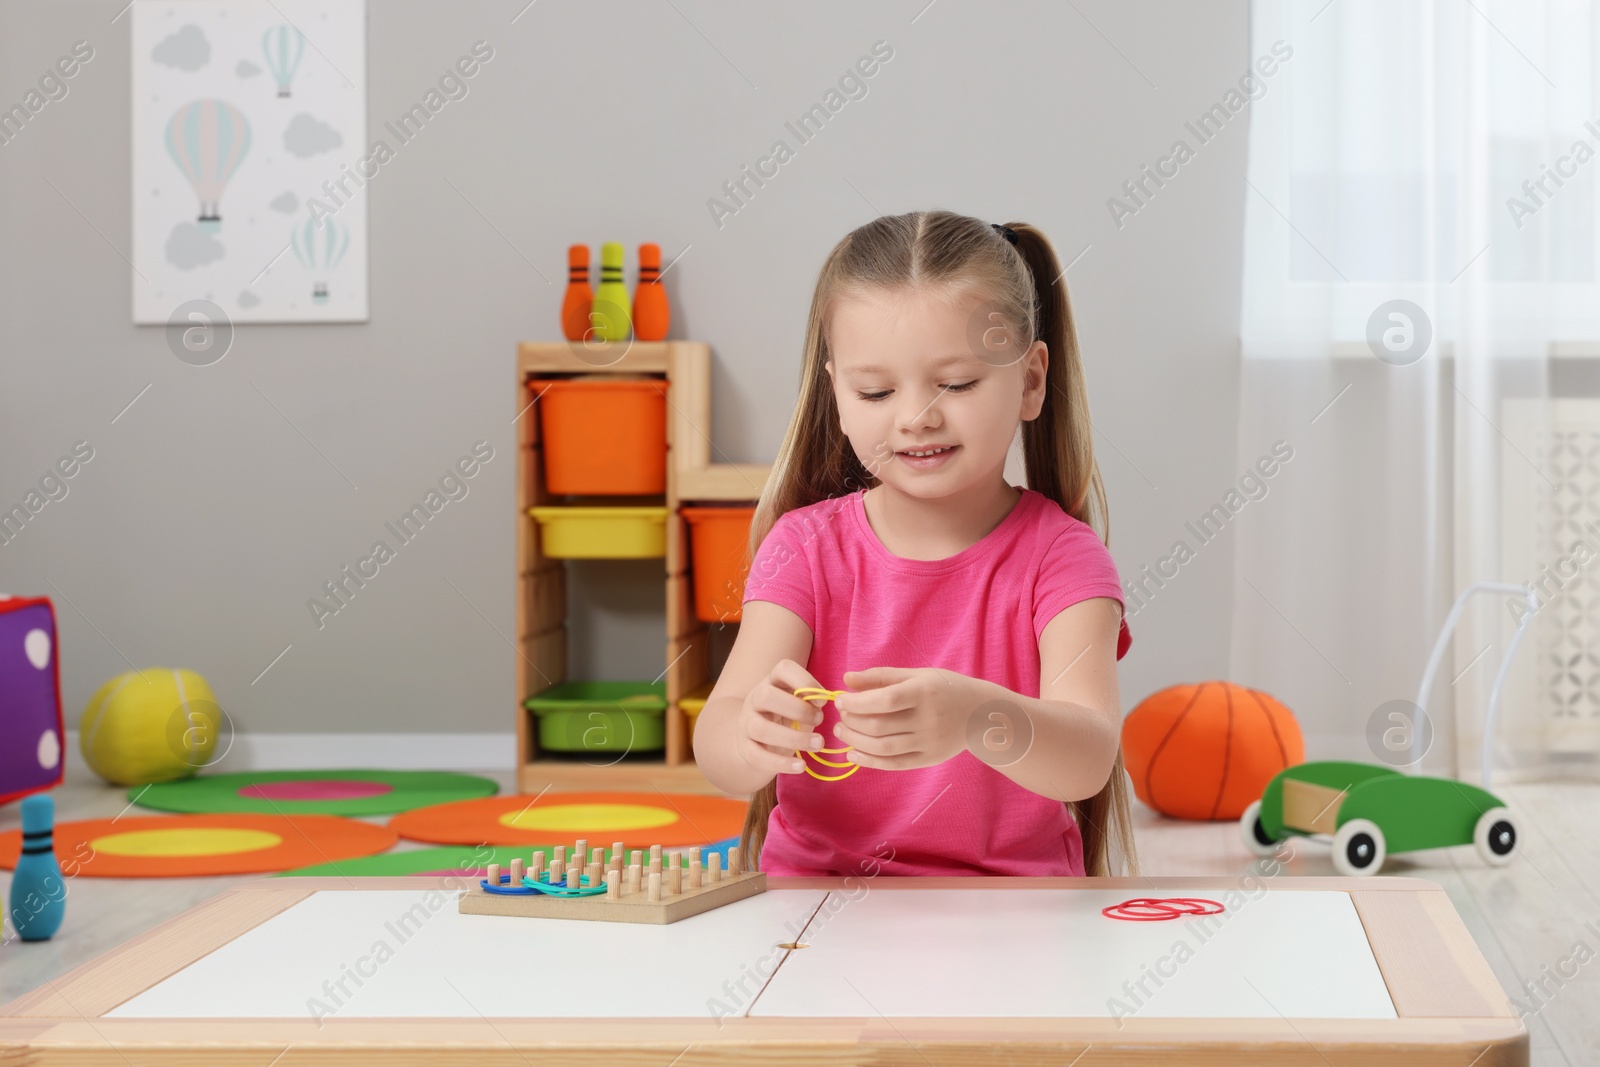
(338, 792)
(185, 846)
(449, 860)
(636, 819)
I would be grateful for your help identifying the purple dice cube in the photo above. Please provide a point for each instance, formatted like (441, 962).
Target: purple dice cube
(31, 729)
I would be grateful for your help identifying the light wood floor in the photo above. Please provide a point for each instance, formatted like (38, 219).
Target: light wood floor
(1529, 918)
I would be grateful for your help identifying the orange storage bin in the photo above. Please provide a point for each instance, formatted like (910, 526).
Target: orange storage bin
(603, 436)
(717, 539)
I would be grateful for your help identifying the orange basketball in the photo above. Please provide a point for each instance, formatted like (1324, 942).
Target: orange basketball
(1206, 751)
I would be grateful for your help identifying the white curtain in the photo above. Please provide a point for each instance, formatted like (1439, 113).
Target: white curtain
(1419, 291)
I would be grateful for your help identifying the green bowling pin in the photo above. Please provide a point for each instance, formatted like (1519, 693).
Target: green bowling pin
(610, 313)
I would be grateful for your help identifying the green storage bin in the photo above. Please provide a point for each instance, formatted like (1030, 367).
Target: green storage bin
(601, 717)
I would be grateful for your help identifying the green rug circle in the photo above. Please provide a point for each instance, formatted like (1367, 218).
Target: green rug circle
(317, 792)
(442, 860)
(447, 860)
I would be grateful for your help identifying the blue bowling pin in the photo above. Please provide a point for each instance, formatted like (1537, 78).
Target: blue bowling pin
(38, 892)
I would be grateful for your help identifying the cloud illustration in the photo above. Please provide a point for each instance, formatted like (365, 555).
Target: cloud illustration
(187, 49)
(307, 136)
(285, 202)
(247, 299)
(246, 69)
(189, 247)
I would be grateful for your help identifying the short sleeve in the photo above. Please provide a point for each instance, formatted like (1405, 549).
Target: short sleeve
(1076, 566)
(781, 572)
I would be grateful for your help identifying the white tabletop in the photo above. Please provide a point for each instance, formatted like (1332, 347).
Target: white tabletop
(923, 952)
(1050, 953)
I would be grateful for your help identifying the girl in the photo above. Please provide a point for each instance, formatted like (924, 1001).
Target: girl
(974, 626)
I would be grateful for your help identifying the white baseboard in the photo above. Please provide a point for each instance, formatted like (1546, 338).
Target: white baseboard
(296, 752)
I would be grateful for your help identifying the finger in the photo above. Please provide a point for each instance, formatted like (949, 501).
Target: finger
(784, 705)
(880, 724)
(896, 744)
(792, 676)
(764, 759)
(876, 677)
(893, 696)
(782, 737)
(903, 762)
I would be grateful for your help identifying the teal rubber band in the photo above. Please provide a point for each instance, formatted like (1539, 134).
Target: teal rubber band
(561, 889)
(553, 889)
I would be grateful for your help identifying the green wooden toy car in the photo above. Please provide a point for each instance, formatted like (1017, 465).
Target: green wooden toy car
(1371, 811)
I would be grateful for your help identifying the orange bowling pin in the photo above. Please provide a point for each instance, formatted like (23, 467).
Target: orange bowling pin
(579, 300)
(651, 315)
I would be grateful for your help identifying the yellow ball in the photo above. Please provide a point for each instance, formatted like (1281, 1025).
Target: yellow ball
(154, 725)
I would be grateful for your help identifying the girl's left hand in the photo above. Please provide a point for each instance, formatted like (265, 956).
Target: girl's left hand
(899, 718)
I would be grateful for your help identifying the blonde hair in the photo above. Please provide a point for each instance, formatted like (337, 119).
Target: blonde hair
(1021, 282)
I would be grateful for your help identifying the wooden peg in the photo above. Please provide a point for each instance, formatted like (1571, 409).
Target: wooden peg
(492, 876)
(616, 853)
(733, 862)
(598, 855)
(561, 855)
(653, 894)
(572, 877)
(580, 852)
(537, 872)
(613, 887)
(694, 872)
(594, 872)
(634, 860)
(635, 873)
(655, 853)
(675, 879)
(714, 867)
(516, 871)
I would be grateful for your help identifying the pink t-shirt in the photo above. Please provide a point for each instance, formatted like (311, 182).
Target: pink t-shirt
(978, 613)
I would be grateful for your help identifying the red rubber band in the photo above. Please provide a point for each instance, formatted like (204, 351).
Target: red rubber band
(1160, 909)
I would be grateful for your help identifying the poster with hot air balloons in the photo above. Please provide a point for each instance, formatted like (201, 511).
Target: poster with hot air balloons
(249, 118)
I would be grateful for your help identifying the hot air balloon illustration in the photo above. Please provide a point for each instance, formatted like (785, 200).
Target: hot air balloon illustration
(320, 244)
(208, 139)
(283, 46)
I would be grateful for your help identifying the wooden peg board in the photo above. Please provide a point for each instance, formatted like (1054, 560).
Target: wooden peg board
(631, 906)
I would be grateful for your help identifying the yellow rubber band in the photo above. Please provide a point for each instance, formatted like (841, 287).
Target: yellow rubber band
(833, 778)
(809, 693)
(812, 693)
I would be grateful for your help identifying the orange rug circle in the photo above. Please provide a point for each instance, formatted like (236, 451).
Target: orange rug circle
(187, 846)
(636, 819)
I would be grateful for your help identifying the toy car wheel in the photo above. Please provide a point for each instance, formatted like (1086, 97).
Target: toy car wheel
(1495, 837)
(1358, 848)
(1254, 834)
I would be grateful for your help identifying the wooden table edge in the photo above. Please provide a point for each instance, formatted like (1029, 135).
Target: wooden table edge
(1475, 1022)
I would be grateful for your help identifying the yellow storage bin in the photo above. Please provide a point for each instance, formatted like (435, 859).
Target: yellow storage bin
(600, 532)
(693, 704)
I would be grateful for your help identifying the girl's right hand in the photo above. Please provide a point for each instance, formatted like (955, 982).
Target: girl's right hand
(767, 740)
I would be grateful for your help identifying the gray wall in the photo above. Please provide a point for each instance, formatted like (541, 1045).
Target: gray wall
(223, 499)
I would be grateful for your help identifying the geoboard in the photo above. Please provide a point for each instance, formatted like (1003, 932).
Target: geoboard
(596, 888)
(957, 969)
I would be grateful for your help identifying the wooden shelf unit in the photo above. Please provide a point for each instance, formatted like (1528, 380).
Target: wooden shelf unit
(541, 598)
